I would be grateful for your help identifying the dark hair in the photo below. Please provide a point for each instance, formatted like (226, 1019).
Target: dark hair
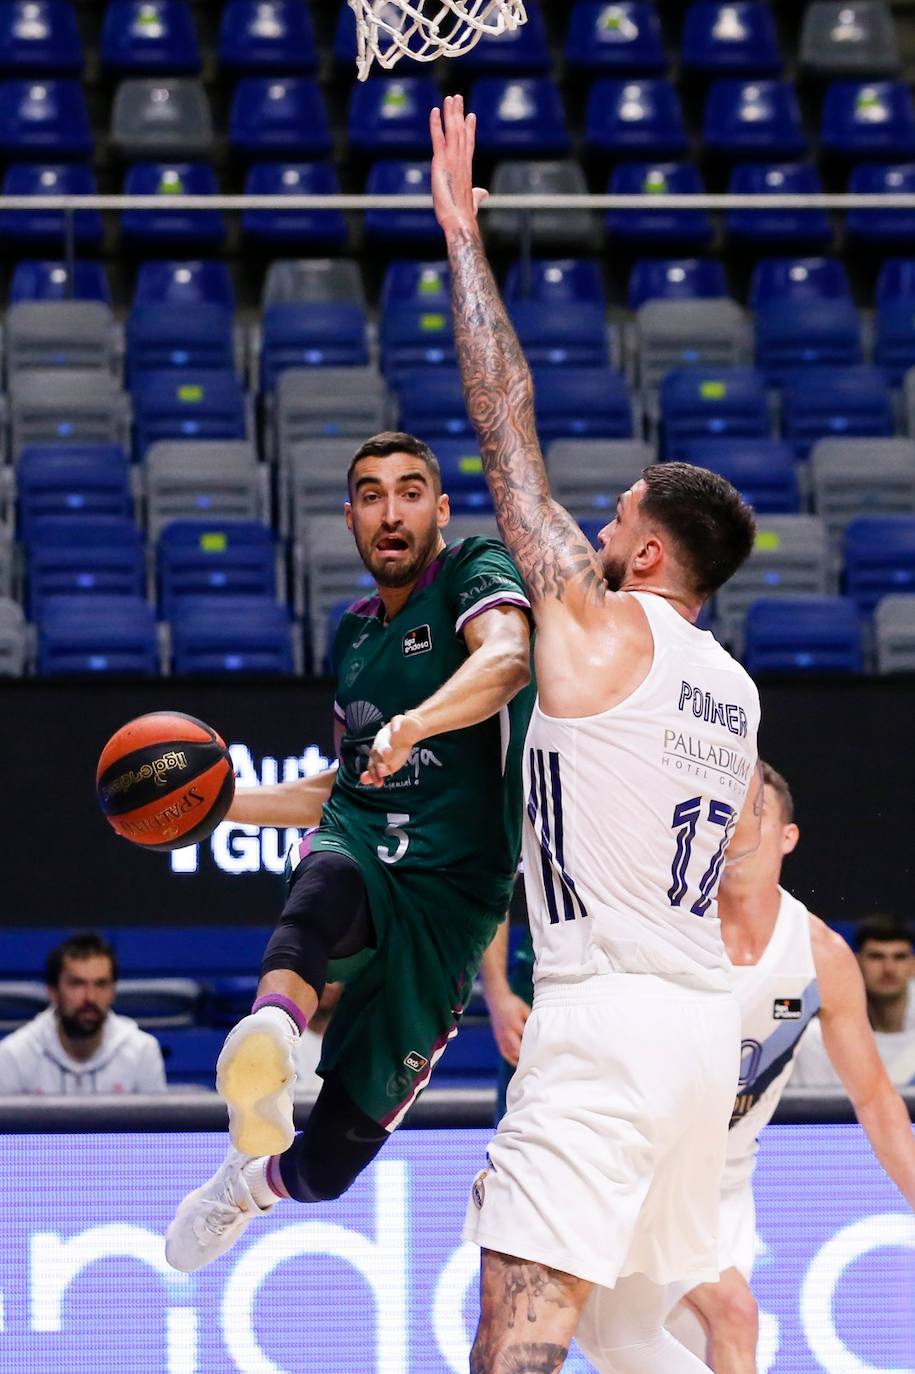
(882, 929)
(772, 778)
(395, 441)
(85, 944)
(712, 525)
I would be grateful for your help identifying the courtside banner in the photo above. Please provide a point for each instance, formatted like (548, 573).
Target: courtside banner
(844, 747)
(379, 1281)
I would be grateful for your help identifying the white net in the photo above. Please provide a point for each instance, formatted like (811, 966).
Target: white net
(387, 30)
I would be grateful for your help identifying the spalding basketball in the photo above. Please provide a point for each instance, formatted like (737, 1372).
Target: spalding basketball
(165, 780)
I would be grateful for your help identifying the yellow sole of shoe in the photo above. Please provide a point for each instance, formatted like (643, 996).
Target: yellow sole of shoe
(249, 1084)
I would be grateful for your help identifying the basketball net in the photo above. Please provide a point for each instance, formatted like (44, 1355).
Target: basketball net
(387, 30)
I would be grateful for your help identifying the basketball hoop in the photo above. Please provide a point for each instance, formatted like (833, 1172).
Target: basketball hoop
(387, 30)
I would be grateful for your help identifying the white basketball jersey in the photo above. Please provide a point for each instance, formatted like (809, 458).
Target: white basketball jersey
(629, 813)
(777, 997)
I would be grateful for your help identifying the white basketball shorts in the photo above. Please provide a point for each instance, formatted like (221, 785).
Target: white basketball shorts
(608, 1160)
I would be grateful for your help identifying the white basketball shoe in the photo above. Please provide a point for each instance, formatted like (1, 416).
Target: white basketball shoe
(211, 1219)
(255, 1075)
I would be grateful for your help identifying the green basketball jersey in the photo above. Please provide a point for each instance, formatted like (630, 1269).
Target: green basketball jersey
(454, 811)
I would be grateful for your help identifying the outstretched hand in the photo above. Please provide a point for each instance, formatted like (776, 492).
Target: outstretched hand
(454, 196)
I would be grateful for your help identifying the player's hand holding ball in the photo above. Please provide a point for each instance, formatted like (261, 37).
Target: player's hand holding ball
(391, 749)
(165, 780)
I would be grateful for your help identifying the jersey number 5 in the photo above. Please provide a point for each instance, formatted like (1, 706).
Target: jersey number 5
(395, 828)
(685, 820)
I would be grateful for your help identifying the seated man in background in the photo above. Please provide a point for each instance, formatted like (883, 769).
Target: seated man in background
(79, 1045)
(885, 946)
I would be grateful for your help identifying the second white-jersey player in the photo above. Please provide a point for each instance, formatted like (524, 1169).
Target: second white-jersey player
(788, 967)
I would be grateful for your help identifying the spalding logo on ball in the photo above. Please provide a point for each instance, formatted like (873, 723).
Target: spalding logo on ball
(165, 780)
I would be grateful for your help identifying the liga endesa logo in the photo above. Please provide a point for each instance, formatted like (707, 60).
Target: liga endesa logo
(239, 849)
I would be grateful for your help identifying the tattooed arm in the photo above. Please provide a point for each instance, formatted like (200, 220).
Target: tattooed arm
(555, 559)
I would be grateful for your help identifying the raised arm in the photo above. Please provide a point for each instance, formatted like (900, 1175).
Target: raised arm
(852, 1050)
(553, 556)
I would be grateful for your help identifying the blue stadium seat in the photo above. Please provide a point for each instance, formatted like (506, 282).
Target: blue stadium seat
(753, 119)
(635, 118)
(771, 230)
(762, 470)
(818, 634)
(881, 229)
(231, 634)
(872, 119)
(622, 39)
(97, 635)
(879, 555)
(416, 283)
(306, 334)
(215, 559)
(518, 52)
(170, 231)
(553, 334)
(187, 405)
(390, 117)
(462, 476)
(184, 283)
(403, 231)
(835, 402)
(801, 280)
(894, 343)
(306, 231)
(39, 38)
(519, 117)
(140, 38)
(166, 334)
(649, 229)
(44, 118)
(101, 555)
(556, 281)
(35, 280)
(432, 404)
(896, 281)
(704, 403)
(582, 403)
(78, 481)
(190, 1055)
(730, 38)
(267, 36)
(415, 334)
(791, 334)
(279, 115)
(190, 951)
(676, 279)
(46, 229)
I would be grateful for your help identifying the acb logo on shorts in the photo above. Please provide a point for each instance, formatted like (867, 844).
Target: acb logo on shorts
(415, 1061)
(478, 1189)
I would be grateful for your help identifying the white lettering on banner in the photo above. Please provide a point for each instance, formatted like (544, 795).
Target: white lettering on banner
(382, 1262)
(448, 1306)
(887, 1229)
(229, 852)
(55, 1263)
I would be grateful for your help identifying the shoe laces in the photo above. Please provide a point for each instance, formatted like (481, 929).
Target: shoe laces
(219, 1217)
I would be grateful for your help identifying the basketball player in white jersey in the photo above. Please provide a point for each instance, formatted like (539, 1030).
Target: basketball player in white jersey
(605, 1171)
(787, 966)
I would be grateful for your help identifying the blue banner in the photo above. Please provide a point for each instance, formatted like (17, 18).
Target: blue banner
(380, 1282)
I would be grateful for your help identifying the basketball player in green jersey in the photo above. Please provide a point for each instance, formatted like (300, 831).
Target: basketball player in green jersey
(399, 888)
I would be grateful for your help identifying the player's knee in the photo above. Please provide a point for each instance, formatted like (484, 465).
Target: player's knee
(731, 1310)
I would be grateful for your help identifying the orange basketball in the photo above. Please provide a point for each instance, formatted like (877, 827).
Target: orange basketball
(165, 780)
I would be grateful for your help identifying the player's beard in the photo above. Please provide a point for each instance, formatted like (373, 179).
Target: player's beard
(614, 570)
(417, 555)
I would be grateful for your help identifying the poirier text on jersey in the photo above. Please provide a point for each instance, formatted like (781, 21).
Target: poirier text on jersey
(704, 707)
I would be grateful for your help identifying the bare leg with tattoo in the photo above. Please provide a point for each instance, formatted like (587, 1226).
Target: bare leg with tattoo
(528, 1316)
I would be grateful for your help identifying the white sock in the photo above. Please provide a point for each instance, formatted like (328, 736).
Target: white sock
(280, 1018)
(255, 1175)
